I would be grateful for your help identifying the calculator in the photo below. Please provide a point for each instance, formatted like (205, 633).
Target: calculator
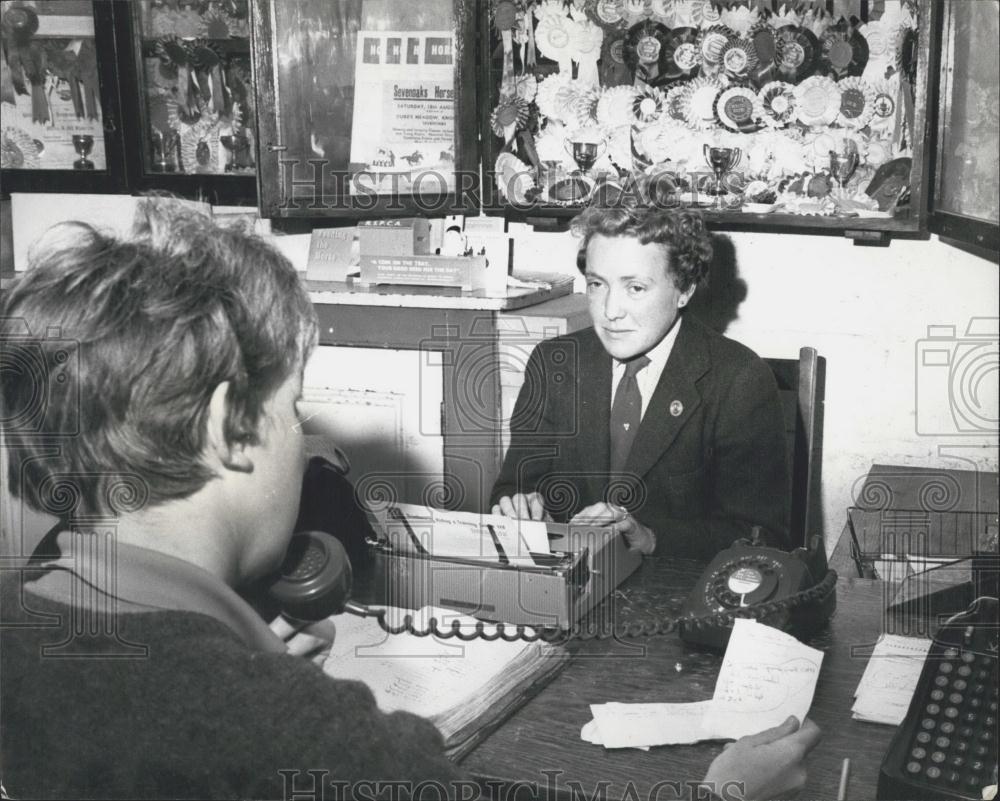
(946, 747)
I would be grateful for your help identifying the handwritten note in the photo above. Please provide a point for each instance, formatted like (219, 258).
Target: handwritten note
(766, 676)
(886, 687)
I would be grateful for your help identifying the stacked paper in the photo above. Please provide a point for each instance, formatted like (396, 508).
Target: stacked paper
(766, 676)
(884, 692)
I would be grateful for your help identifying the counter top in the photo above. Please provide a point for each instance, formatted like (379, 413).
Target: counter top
(354, 293)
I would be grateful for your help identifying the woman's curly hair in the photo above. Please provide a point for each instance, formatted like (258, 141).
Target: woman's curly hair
(639, 215)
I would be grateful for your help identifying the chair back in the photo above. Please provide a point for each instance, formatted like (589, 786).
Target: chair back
(802, 387)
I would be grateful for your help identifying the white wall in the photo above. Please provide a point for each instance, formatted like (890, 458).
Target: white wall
(865, 309)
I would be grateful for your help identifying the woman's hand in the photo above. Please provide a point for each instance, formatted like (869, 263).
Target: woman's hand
(770, 764)
(638, 536)
(530, 506)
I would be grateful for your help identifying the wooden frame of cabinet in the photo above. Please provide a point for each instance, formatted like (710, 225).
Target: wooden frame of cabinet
(977, 232)
(293, 183)
(212, 188)
(913, 222)
(113, 178)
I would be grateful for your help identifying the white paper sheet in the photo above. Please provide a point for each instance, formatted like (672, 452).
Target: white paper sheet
(886, 687)
(465, 535)
(766, 676)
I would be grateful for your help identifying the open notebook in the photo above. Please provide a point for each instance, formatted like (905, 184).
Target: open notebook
(465, 688)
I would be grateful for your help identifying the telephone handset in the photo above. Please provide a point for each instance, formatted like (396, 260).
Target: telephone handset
(785, 587)
(946, 746)
(315, 581)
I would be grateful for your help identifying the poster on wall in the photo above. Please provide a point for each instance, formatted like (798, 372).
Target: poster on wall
(403, 133)
(49, 92)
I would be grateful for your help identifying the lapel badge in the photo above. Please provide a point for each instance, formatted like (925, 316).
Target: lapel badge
(676, 408)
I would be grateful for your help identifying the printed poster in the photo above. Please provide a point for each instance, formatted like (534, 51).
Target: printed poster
(403, 133)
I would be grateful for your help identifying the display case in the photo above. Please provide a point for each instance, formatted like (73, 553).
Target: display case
(966, 200)
(367, 108)
(810, 115)
(61, 129)
(189, 84)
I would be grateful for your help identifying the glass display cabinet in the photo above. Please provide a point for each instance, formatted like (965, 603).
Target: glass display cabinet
(190, 85)
(806, 115)
(367, 107)
(966, 201)
(60, 127)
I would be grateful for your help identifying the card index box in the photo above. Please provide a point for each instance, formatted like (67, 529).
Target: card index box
(395, 237)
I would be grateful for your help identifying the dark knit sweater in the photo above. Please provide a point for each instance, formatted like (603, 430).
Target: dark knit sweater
(200, 716)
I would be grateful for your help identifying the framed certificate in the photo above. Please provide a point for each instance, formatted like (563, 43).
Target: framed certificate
(365, 107)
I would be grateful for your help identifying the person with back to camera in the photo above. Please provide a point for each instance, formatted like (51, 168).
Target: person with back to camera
(185, 381)
(648, 420)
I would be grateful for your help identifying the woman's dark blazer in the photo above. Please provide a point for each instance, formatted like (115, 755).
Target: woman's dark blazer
(709, 459)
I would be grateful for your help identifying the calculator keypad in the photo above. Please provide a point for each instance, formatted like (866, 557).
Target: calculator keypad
(954, 745)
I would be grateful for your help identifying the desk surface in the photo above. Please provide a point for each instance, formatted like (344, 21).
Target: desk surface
(544, 735)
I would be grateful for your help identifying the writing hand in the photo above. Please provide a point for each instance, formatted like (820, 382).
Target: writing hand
(638, 536)
(523, 506)
(311, 640)
(770, 764)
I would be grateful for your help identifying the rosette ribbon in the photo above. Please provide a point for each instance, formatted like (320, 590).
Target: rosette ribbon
(25, 57)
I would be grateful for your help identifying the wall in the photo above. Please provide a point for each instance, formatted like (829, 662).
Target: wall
(867, 310)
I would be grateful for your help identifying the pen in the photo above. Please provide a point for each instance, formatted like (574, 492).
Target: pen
(845, 778)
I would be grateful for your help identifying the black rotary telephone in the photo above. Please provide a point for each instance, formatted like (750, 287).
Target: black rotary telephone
(793, 591)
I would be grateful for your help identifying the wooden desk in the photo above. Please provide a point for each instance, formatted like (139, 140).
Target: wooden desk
(544, 736)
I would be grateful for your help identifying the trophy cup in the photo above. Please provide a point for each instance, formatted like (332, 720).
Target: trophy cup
(586, 153)
(83, 144)
(721, 160)
(844, 163)
(163, 147)
(228, 141)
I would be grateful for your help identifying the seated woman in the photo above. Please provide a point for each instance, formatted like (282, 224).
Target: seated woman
(648, 420)
(167, 436)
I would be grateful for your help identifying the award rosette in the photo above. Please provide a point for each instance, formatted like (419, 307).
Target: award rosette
(646, 51)
(713, 42)
(682, 58)
(735, 109)
(740, 19)
(548, 88)
(614, 107)
(609, 14)
(576, 103)
(739, 58)
(514, 178)
(657, 140)
(699, 102)
(843, 52)
(776, 104)
(18, 151)
(796, 50)
(553, 38)
(857, 103)
(647, 105)
(817, 101)
(509, 116)
(884, 105)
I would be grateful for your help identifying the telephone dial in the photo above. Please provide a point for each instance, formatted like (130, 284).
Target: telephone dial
(794, 591)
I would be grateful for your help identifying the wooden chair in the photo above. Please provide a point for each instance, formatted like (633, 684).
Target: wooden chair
(802, 386)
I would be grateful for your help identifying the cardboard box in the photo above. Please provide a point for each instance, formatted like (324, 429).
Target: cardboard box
(395, 237)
